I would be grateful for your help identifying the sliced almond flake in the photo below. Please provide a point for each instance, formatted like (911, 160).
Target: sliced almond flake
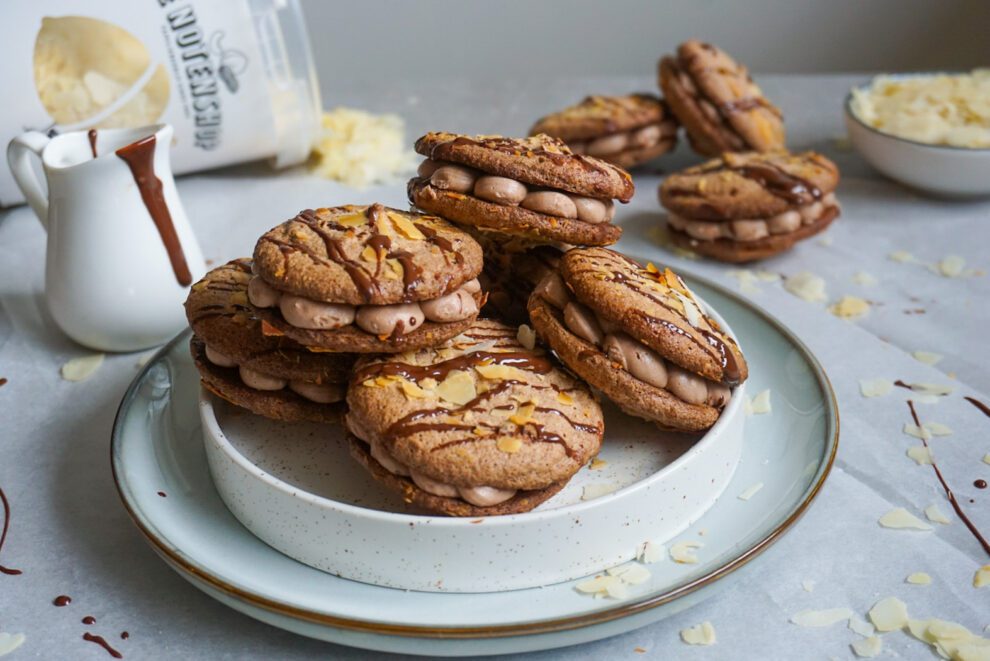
(821, 618)
(982, 577)
(526, 336)
(747, 280)
(986, 458)
(617, 589)
(935, 515)
(850, 307)
(917, 432)
(406, 227)
(702, 634)
(875, 387)
(750, 491)
(458, 387)
(902, 256)
(523, 415)
(808, 585)
(862, 627)
(651, 552)
(951, 266)
(596, 490)
(759, 405)
(806, 286)
(10, 642)
(564, 398)
(508, 444)
(825, 241)
(889, 614)
(938, 429)
(868, 647)
(684, 552)
(767, 276)
(80, 369)
(920, 398)
(597, 464)
(921, 455)
(919, 578)
(598, 585)
(413, 391)
(932, 388)
(864, 279)
(927, 357)
(631, 573)
(899, 518)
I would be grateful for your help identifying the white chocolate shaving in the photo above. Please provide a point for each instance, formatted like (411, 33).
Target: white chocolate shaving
(80, 369)
(750, 491)
(361, 149)
(900, 519)
(684, 552)
(702, 634)
(821, 618)
(935, 515)
(875, 387)
(806, 286)
(889, 614)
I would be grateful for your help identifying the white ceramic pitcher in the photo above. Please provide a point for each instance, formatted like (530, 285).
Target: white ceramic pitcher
(121, 254)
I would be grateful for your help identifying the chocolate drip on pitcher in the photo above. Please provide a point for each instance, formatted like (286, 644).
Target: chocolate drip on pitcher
(140, 158)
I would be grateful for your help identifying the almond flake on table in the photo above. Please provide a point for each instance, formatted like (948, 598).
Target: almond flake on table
(684, 552)
(808, 585)
(10, 642)
(806, 286)
(868, 648)
(921, 455)
(951, 266)
(927, 357)
(902, 256)
(750, 491)
(80, 369)
(899, 518)
(758, 405)
(604, 586)
(982, 577)
(864, 279)
(631, 573)
(825, 241)
(747, 280)
(862, 627)
(650, 552)
(821, 618)
(935, 515)
(875, 387)
(702, 634)
(919, 578)
(938, 429)
(950, 640)
(889, 614)
(850, 307)
(768, 276)
(917, 432)
(986, 458)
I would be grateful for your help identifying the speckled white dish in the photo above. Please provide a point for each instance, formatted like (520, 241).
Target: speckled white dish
(157, 446)
(297, 488)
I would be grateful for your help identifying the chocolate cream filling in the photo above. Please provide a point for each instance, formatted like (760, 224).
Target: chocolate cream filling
(755, 228)
(321, 393)
(611, 144)
(642, 362)
(381, 320)
(479, 496)
(512, 193)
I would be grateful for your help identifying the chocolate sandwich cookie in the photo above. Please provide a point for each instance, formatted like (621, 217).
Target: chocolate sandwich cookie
(270, 376)
(533, 188)
(743, 207)
(623, 130)
(512, 269)
(478, 426)
(366, 280)
(719, 105)
(640, 336)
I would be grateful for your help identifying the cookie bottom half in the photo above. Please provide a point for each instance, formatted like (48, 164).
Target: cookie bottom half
(727, 250)
(523, 501)
(283, 405)
(512, 220)
(631, 158)
(633, 396)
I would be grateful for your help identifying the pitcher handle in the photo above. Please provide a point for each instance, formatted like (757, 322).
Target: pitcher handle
(19, 154)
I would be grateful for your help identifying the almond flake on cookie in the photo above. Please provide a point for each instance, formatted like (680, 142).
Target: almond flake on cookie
(867, 648)
(702, 634)
(684, 552)
(458, 388)
(935, 515)
(80, 369)
(806, 286)
(849, 307)
(759, 404)
(899, 518)
(864, 279)
(750, 491)
(927, 357)
(921, 454)
(982, 577)
(821, 618)
(919, 578)
(889, 614)
(875, 387)
(650, 552)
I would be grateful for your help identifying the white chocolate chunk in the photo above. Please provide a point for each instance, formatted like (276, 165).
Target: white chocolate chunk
(80, 369)
(821, 618)
(889, 614)
(702, 634)
(899, 518)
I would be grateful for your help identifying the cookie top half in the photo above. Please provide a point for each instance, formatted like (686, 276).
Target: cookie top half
(602, 115)
(359, 255)
(539, 160)
(656, 308)
(479, 410)
(749, 185)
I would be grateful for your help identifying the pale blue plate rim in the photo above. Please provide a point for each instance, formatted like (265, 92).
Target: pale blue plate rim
(199, 574)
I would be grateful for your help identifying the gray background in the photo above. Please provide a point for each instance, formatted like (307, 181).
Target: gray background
(376, 42)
